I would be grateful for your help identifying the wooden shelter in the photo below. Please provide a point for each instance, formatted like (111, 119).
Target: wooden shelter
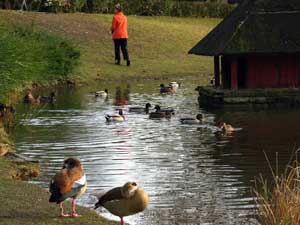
(256, 47)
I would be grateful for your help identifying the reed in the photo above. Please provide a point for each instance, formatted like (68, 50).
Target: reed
(278, 202)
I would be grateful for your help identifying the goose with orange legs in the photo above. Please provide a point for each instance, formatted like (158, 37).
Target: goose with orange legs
(124, 201)
(69, 182)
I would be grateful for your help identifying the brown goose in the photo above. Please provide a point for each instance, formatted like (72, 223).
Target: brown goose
(124, 201)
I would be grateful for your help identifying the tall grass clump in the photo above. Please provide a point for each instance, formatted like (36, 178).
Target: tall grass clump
(29, 55)
(279, 202)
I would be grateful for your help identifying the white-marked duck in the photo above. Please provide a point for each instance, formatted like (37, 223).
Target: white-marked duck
(124, 201)
(115, 117)
(191, 121)
(141, 109)
(69, 182)
(174, 85)
(166, 89)
(227, 128)
(102, 94)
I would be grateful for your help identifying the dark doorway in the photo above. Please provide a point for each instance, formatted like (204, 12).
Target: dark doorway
(226, 72)
(242, 73)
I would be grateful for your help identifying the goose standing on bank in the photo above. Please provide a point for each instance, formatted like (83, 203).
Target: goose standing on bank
(124, 201)
(69, 182)
(191, 121)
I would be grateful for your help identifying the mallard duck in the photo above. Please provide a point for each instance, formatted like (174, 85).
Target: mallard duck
(227, 128)
(141, 109)
(115, 117)
(47, 99)
(102, 94)
(124, 201)
(168, 110)
(166, 89)
(196, 120)
(158, 114)
(69, 182)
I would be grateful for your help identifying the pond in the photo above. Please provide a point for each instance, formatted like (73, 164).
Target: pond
(193, 174)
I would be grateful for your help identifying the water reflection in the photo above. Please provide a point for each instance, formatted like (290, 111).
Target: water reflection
(193, 174)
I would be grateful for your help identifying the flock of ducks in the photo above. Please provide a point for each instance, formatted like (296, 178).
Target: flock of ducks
(159, 112)
(71, 182)
(129, 199)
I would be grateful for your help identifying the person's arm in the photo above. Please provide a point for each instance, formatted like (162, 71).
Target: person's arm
(113, 25)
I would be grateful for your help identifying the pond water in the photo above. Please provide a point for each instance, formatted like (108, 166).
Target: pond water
(193, 174)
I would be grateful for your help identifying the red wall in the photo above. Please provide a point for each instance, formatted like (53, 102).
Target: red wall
(273, 71)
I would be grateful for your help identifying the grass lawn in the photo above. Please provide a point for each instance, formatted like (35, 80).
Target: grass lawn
(158, 46)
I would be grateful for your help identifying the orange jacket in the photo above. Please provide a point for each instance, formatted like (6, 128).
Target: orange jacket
(119, 26)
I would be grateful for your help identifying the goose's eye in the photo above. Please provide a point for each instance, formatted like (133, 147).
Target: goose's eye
(134, 184)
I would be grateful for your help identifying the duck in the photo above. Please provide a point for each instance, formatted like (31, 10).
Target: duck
(47, 99)
(102, 94)
(159, 114)
(168, 110)
(174, 85)
(141, 109)
(69, 182)
(30, 99)
(166, 89)
(123, 201)
(196, 120)
(115, 117)
(227, 128)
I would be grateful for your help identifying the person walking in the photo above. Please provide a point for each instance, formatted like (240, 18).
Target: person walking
(120, 35)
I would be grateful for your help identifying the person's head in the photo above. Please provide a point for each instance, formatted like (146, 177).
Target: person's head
(118, 8)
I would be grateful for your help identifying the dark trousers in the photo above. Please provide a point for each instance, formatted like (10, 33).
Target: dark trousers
(121, 43)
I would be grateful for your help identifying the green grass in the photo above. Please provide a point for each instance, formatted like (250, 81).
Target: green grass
(158, 46)
(28, 55)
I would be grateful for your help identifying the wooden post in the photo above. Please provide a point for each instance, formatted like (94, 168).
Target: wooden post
(217, 71)
(234, 74)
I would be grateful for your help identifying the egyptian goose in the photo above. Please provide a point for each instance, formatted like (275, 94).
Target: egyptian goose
(30, 99)
(124, 201)
(191, 121)
(115, 117)
(140, 109)
(227, 128)
(102, 94)
(69, 182)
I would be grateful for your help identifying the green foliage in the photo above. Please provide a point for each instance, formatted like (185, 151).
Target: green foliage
(29, 55)
(164, 8)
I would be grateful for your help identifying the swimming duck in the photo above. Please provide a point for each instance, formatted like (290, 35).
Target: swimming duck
(30, 99)
(124, 201)
(227, 128)
(168, 110)
(115, 117)
(158, 114)
(166, 89)
(174, 85)
(47, 99)
(69, 182)
(102, 94)
(141, 109)
(196, 120)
